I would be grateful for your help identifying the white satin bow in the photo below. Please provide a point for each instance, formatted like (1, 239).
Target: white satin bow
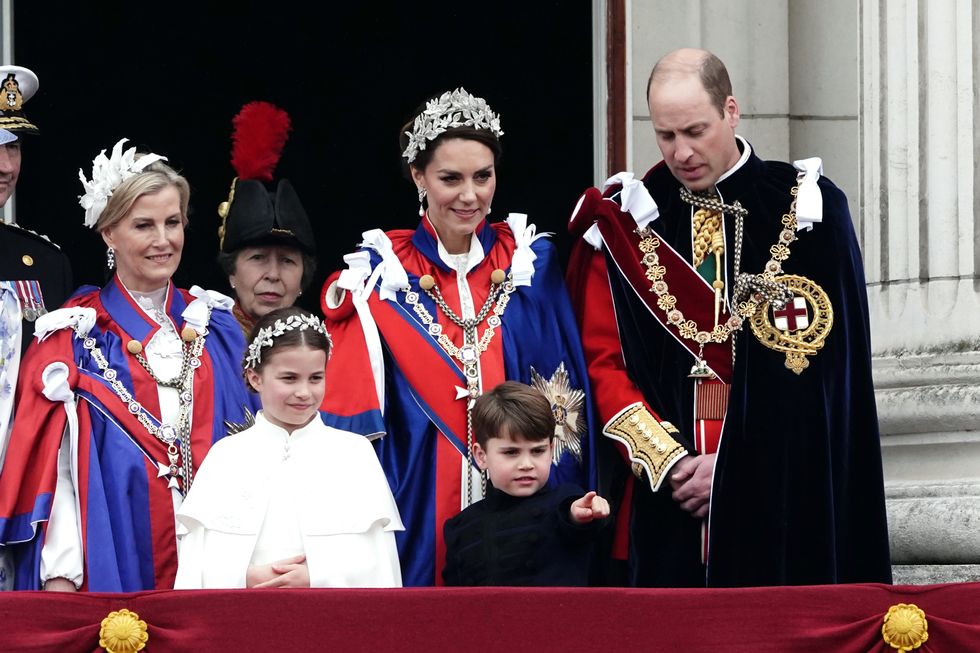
(196, 313)
(357, 271)
(635, 199)
(78, 318)
(809, 200)
(359, 279)
(522, 265)
(393, 275)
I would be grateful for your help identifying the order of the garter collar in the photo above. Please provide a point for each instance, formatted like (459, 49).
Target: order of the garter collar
(265, 337)
(451, 109)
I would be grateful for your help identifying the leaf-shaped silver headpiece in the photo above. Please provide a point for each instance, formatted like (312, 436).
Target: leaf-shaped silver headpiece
(266, 336)
(451, 109)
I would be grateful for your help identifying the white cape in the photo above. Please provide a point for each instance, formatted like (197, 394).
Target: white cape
(336, 491)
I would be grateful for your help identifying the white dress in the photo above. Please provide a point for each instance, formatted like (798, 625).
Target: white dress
(264, 494)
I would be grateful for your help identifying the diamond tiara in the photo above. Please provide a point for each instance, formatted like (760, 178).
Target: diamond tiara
(450, 110)
(266, 336)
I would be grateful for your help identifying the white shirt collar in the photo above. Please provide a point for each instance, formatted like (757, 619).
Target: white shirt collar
(746, 153)
(148, 300)
(313, 425)
(473, 257)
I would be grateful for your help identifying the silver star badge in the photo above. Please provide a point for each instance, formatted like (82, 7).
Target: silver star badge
(566, 404)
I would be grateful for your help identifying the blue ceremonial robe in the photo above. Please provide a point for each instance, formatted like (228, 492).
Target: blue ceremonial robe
(421, 418)
(125, 508)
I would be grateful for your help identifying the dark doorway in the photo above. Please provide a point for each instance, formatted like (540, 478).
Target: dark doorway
(170, 76)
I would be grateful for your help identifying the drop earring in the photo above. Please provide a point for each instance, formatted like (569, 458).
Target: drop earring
(422, 193)
(110, 258)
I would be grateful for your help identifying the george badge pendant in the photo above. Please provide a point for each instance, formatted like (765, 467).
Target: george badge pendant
(700, 369)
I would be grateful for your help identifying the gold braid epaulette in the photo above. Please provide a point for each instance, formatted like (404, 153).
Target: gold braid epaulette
(648, 442)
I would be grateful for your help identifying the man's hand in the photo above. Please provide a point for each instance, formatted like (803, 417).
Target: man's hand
(589, 507)
(691, 482)
(260, 575)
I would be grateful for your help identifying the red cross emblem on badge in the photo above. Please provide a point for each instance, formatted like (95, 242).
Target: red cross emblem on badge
(793, 316)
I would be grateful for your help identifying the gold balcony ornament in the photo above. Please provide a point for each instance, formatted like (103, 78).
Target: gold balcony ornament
(123, 632)
(905, 627)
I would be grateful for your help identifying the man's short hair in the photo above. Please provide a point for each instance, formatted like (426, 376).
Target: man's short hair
(520, 409)
(711, 71)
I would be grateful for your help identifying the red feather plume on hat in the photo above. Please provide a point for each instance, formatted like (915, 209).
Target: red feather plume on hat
(259, 134)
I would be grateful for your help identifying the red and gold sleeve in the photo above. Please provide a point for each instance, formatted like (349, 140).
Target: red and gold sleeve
(646, 441)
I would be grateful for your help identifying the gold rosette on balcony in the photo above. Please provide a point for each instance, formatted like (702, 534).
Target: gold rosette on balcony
(123, 632)
(905, 627)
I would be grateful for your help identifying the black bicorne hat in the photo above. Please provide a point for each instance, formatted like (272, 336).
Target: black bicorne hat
(253, 215)
(259, 217)
(18, 86)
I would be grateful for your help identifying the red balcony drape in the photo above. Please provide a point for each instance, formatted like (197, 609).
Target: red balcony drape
(824, 619)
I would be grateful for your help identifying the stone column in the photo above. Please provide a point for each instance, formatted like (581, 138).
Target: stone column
(793, 67)
(919, 147)
(750, 36)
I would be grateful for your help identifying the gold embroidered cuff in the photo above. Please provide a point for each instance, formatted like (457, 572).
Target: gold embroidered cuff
(648, 442)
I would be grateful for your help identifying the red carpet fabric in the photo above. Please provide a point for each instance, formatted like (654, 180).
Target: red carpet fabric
(824, 619)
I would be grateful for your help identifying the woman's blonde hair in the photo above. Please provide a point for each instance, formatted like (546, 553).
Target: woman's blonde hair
(153, 179)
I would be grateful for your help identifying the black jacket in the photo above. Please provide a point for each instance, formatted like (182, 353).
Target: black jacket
(520, 541)
(25, 255)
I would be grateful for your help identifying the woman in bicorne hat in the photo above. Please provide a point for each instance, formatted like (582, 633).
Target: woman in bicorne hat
(120, 398)
(267, 245)
(425, 320)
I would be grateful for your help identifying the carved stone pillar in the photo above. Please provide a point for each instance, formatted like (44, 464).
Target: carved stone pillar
(919, 179)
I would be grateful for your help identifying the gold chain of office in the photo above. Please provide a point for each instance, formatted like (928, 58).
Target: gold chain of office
(750, 290)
